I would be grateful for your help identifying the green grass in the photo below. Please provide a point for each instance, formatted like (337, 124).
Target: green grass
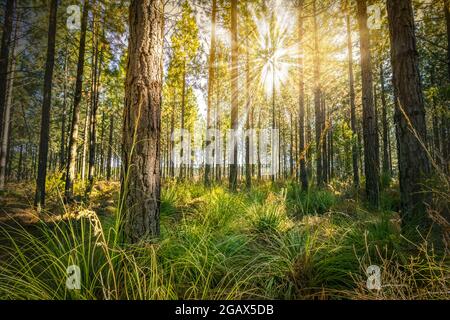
(270, 243)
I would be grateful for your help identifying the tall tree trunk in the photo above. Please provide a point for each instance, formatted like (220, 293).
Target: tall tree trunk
(172, 128)
(291, 147)
(93, 122)
(445, 121)
(317, 99)
(4, 56)
(110, 144)
(39, 200)
(413, 162)
(386, 169)
(20, 164)
(447, 20)
(73, 140)
(86, 131)
(371, 152)
(5, 135)
(211, 75)
(142, 121)
(183, 109)
(301, 105)
(101, 158)
(324, 140)
(352, 104)
(233, 174)
(62, 152)
(249, 122)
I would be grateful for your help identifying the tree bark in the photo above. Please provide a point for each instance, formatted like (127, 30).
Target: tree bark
(110, 143)
(371, 152)
(386, 169)
(5, 135)
(233, 174)
(414, 166)
(93, 122)
(183, 110)
(4, 56)
(73, 140)
(141, 130)
(447, 20)
(62, 154)
(301, 105)
(39, 200)
(211, 75)
(317, 99)
(248, 137)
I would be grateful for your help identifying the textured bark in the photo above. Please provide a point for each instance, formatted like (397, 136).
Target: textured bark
(447, 20)
(73, 140)
(4, 56)
(233, 174)
(62, 152)
(211, 75)
(39, 199)
(301, 106)
(317, 100)
(142, 123)
(5, 134)
(370, 134)
(413, 162)
(386, 167)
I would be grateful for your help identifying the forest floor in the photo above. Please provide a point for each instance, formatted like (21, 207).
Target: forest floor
(274, 242)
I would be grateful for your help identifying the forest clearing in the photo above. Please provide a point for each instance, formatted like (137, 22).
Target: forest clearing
(224, 150)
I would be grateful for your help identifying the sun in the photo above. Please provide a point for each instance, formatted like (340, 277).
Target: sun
(273, 55)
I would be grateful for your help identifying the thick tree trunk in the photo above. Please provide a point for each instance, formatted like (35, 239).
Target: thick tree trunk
(4, 55)
(7, 112)
(233, 174)
(73, 140)
(211, 75)
(141, 130)
(371, 152)
(413, 162)
(301, 106)
(39, 200)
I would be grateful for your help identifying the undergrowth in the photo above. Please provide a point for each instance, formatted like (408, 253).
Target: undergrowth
(270, 243)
